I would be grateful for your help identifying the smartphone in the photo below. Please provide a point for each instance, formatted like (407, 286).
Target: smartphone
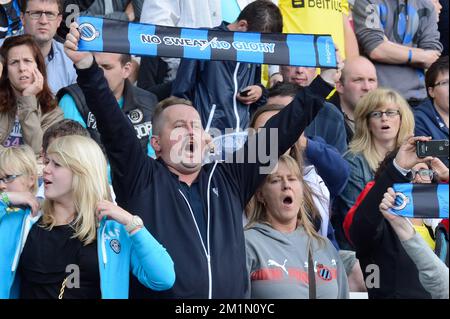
(245, 92)
(435, 148)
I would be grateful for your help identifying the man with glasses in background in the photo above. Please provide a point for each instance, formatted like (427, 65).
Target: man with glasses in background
(41, 19)
(431, 116)
(422, 173)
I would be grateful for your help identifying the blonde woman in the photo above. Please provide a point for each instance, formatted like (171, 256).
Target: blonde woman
(81, 245)
(18, 175)
(18, 186)
(18, 169)
(383, 119)
(279, 237)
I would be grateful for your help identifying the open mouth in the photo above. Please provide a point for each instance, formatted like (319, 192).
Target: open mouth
(23, 78)
(385, 127)
(288, 200)
(190, 147)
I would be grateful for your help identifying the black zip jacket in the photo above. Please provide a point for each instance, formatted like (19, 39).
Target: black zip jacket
(377, 243)
(144, 186)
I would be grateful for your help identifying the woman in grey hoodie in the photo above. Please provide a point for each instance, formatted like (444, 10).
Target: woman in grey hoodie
(279, 236)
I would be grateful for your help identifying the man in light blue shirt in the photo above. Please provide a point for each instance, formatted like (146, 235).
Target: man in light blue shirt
(41, 19)
(136, 103)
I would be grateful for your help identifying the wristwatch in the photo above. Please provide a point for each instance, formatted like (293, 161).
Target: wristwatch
(136, 222)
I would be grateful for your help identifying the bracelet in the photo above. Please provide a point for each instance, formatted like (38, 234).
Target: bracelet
(5, 199)
(409, 56)
(136, 222)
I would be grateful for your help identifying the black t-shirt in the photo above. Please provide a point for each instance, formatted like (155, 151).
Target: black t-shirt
(44, 262)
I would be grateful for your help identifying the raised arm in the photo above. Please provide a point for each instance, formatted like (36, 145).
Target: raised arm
(128, 160)
(433, 273)
(261, 151)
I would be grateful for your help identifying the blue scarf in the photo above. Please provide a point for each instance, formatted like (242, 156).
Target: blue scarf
(106, 35)
(421, 200)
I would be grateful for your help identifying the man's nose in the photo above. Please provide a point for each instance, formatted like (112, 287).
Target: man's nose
(43, 18)
(366, 85)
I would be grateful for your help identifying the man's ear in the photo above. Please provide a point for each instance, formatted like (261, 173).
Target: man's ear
(126, 70)
(242, 25)
(431, 91)
(339, 87)
(154, 142)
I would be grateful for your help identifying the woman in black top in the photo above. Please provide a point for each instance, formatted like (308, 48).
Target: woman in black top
(78, 247)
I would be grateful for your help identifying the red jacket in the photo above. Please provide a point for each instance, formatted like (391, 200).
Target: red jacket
(349, 217)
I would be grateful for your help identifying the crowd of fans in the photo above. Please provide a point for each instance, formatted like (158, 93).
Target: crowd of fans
(221, 179)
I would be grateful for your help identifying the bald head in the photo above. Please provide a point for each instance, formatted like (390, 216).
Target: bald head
(359, 77)
(357, 65)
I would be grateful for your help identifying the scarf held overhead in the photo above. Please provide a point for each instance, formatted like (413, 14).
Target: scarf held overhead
(107, 35)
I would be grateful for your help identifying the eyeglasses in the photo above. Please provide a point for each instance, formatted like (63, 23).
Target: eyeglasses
(9, 178)
(441, 83)
(35, 15)
(423, 173)
(379, 114)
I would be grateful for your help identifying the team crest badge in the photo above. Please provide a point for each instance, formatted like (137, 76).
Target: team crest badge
(115, 245)
(88, 32)
(401, 200)
(323, 272)
(136, 116)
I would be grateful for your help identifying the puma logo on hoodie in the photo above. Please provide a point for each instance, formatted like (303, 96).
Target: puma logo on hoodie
(272, 262)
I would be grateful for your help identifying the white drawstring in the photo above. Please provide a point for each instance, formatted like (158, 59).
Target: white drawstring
(210, 118)
(105, 258)
(236, 113)
(209, 218)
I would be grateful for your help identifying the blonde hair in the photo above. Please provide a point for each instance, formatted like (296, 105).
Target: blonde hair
(85, 159)
(19, 160)
(362, 141)
(258, 214)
